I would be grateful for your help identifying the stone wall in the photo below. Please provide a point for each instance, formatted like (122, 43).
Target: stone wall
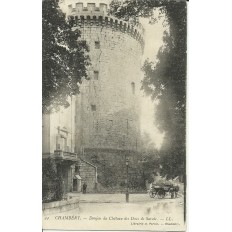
(60, 206)
(111, 166)
(107, 111)
(88, 174)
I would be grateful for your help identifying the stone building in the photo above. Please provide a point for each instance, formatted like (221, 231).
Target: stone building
(102, 122)
(59, 143)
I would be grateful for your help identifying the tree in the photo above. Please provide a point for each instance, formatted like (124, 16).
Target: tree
(64, 58)
(51, 180)
(165, 81)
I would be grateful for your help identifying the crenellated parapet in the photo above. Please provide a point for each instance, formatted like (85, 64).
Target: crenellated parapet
(87, 14)
(85, 3)
(110, 22)
(90, 8)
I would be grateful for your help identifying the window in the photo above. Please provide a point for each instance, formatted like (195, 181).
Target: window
(65, 144)
(133, 87)
(93, 107)
(58, 140)
(97, 44)
(67, 148)
(57, 146)
(96, 74)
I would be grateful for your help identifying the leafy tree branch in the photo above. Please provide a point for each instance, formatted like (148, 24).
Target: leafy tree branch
(64, 57)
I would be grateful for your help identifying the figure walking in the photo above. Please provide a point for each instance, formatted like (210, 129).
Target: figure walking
(84, 188)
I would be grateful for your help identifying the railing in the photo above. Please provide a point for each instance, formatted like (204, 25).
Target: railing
(59, 154)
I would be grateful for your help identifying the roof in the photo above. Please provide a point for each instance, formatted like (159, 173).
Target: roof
(77, 177)
(88, 163)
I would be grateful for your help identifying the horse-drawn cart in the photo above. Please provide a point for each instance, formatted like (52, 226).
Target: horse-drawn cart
(162, 191)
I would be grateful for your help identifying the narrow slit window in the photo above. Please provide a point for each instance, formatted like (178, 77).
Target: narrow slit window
(96, 75)
(93, 107)
(133, 87)
(97, 44)
(57, 146)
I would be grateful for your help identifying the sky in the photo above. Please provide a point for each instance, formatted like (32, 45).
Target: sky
(153, 41)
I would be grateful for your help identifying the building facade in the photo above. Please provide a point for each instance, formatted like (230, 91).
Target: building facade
(58, 136)
(102, 123)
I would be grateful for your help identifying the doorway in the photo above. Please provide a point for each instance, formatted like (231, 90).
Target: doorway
(75, 185)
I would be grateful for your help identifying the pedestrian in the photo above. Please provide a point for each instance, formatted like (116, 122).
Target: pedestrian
(84, 188)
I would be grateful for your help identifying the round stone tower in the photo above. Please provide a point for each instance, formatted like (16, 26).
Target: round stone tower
(107, 108)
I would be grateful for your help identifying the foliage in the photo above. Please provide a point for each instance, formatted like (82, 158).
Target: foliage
(107, 174)
(147, 146)
(165, 81)
(51, 180)
(64, 58)
(162, 180)
(149, 163)
(142, 167)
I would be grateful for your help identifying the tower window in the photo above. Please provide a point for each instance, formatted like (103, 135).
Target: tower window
(133, 87)
(96, 74)
(97, 44)
(93, 107)
(57, 146)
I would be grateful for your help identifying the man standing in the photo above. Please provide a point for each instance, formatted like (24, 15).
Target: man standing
(84, 188)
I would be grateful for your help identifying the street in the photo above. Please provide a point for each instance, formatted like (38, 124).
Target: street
(110, 211)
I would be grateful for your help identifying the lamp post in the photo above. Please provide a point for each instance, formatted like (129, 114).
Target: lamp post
(127, 184)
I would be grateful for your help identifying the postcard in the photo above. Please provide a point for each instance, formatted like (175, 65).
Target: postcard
(114, 115)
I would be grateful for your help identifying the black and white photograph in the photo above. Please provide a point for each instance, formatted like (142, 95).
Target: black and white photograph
(114, 87)
(116, 115)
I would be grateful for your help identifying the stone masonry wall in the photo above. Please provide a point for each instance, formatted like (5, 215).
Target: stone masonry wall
(88, 175)
(108, 108)
(111, 166)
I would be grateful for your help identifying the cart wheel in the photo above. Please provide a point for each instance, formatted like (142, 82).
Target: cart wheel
(172, 194)
(176, 194)
(161, 194)
(152, 195)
